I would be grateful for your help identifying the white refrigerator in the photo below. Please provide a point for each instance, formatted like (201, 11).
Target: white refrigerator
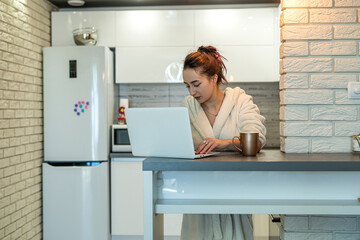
(78, 112)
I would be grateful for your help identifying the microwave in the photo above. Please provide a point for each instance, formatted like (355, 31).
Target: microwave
(120, 141)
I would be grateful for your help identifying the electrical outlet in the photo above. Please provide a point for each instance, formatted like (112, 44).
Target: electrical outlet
(354, 90)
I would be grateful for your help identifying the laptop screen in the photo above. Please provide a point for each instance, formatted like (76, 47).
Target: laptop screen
(160, 132)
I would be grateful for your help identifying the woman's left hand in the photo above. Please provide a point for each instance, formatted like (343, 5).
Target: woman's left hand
(208, 145)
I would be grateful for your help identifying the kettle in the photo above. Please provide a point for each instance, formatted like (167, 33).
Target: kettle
(356, 143)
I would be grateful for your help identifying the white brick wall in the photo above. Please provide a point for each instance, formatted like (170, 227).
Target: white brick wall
(319, 227)
(319, 57)
(24, 30)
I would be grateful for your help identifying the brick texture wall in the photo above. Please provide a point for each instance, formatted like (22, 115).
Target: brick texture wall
(319, 56)
(24, 30)
(320, 227)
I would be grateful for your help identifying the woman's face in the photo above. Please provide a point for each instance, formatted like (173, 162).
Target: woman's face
(199, 85)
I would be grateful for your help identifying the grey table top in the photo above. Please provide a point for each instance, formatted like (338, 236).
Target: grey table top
(266, 160)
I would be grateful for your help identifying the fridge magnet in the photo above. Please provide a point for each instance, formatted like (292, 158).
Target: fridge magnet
(81, 106)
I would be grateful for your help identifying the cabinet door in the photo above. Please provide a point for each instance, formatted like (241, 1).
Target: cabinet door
(127, 205)
(152, 28)
(234, 27)
(150, 64)
(63, 23)
(250, 63)
(127, 198)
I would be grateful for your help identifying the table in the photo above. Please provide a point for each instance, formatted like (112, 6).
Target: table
(270, 183)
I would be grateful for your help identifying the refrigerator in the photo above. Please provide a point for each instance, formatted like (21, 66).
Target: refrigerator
(78, 96)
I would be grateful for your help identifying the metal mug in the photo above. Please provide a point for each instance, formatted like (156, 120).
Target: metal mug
(356, 143)
(248, 143)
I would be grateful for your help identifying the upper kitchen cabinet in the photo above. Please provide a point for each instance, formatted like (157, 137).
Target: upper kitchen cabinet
(234, 27)
(244, 63)
(63, 23)
(150, 64)
(155, 28)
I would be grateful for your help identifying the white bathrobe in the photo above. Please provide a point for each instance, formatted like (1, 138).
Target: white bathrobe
(237, 113)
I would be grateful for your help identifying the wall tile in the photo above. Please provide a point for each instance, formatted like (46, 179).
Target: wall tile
(306, 3)
(294, 49)
(331, 145)
(294, 112)
(347, 236)
(295, 223)
(295, 65)
(347, 128)
(295, 16)
(265, 96)
(295, 144)
(346, 31)
(331, 80)
(303, 129)
(293, 80)
(306, 235)
(306, 32)
(306, 97)
(341, 97)
(346, 64)
(333, 48)
(25, 29)
(333, 223)
(347, 3)
(343, 15)
(333, 113)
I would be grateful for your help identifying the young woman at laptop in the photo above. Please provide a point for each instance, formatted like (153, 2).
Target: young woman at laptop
(216, 117)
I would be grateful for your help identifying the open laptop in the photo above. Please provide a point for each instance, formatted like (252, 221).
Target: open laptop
(161, 132)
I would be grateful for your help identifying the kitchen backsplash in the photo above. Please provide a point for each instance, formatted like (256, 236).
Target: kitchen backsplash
(265, 96)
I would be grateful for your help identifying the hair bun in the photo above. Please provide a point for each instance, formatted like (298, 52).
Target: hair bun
(207, 49)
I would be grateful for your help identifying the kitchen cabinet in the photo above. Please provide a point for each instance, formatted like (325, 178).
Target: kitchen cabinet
(150, 64)
(248, 38)
(154, 28)
(63, 23)
(127, 211)
(151, 44)
(235, 27)
(244, 63)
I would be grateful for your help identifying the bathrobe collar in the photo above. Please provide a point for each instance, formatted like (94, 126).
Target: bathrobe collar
(201, 122)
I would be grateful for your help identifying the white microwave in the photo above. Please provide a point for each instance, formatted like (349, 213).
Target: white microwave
(120, 141)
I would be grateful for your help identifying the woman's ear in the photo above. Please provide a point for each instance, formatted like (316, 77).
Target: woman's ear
(215, 78)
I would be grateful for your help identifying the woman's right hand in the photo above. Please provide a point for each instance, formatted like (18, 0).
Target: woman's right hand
(210, 144)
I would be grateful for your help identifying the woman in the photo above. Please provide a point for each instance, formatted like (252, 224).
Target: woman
(216, 117)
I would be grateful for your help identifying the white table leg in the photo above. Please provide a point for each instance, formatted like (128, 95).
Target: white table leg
(153, 223)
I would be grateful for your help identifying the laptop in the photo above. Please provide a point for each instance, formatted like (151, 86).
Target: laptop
(161, 132)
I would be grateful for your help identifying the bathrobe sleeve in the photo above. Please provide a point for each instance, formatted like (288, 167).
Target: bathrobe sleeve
(237, 114)
(249, 117)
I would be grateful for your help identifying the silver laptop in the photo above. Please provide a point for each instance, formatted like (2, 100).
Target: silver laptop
(161, 132)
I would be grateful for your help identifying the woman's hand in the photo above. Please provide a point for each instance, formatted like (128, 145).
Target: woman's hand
(210, 144)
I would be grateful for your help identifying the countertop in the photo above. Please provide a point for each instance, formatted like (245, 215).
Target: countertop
(266, 160)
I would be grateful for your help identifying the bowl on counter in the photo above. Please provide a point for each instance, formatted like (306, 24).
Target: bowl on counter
(85, 36)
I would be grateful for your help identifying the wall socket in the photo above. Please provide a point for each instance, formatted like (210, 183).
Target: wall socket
(354, 90)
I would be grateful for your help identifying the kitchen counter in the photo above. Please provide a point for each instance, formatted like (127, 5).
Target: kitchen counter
(267, 160)
(270, 183)
(114, 155)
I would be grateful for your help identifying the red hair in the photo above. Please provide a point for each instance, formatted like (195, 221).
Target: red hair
(209, 61)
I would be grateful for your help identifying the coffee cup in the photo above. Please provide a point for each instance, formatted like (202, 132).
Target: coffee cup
(356, 143)
(248, 143)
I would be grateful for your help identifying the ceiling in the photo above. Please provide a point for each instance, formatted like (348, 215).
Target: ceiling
(145, 3)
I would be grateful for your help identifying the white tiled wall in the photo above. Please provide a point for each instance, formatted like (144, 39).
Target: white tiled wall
(319, 56)
(24, 30)
(300, 227)
(265, 95)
